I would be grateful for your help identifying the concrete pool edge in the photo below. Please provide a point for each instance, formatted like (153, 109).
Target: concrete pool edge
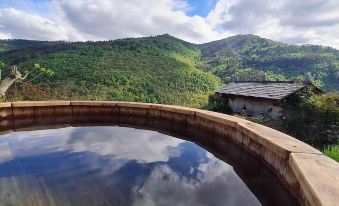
(312, 177)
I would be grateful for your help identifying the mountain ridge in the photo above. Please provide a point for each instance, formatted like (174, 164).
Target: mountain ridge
(170, 36)
(165, 69)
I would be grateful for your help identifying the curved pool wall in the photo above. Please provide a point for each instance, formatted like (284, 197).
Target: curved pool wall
(309, 175)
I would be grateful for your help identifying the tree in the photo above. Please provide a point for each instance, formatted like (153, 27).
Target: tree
(2, 65)
(29, 76)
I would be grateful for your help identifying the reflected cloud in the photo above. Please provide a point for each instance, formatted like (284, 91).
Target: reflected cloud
(120, 142)
(5, 152)
(115, 165)
(126, 143)
(218, 185)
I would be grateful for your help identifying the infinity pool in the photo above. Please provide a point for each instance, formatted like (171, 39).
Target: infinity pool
(111, 165)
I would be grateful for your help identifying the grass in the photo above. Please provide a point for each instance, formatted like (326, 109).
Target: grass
(332, 152)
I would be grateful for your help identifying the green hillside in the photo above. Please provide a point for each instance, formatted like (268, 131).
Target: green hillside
(248, 56)
(6, 45)
(158, 69)
(161, 69)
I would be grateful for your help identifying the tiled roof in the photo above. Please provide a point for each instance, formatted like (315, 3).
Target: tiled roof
(267, 90)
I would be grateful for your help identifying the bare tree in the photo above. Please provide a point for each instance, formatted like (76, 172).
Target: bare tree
(16, 76)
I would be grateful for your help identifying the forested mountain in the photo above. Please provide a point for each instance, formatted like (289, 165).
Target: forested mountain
(6, 45)
(161, 69)
(158, 69)
(248, 56)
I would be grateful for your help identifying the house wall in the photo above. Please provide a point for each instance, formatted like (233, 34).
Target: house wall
(255, 107)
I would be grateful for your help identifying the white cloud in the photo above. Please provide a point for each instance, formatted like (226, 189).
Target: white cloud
(112, 19)
(298, 22)
(20, 24)
(5, 36)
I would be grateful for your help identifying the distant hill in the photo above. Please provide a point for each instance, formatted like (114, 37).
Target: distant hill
(6, 45)
(163, 69)
(248, 56)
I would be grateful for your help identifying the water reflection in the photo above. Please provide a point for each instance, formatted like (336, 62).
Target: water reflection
(113, 166)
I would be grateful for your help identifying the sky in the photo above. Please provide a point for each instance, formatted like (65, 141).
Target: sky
(196, 21)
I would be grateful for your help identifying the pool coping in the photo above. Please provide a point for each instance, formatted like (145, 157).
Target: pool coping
(311, 176)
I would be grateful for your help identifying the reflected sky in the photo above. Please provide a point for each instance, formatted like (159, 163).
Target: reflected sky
(105, 165)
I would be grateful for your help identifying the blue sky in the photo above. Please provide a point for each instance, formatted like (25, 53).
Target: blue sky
(37, 6)
(201, 7)
(197, 21)
(196, 7)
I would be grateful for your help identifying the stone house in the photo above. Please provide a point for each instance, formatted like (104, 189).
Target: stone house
(254, 98)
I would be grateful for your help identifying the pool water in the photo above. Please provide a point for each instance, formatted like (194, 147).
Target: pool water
(111, 165)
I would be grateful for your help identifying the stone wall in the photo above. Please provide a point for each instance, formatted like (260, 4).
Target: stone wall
(254, 107)
(312, 177)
